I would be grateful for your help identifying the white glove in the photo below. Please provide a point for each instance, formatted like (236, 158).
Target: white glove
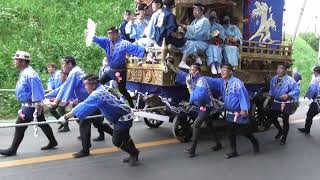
(62, 120)
(188, 80)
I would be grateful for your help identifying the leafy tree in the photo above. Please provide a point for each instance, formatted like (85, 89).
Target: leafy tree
(312, 39)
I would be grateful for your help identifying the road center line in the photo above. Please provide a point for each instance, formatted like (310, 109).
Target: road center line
(93, 152)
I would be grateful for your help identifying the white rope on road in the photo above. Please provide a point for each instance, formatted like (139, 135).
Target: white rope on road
(88, 117)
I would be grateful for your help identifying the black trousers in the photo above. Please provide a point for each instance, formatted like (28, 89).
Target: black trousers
(285, 118)
(20, 131)
(203, 117)
(122, 140)
(245, 130)
(121, 81)
(85, 132)
(57, 111)
(312, 112)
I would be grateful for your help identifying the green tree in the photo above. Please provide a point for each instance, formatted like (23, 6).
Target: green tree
(312, 39)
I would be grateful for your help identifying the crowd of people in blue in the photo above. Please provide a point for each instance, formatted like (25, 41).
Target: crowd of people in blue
(89, 95)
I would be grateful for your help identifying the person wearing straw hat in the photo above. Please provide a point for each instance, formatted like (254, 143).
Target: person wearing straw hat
(115, 111)
(30, 93)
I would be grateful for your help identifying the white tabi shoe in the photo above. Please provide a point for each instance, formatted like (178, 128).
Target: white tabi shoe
(213, 69)
(198, 60)
(183, 65)
(218, 68)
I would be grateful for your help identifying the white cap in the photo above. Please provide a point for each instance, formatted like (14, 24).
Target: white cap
(22, 55)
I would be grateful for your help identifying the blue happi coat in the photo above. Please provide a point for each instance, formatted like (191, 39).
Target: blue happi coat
(116, 52)
(54, 80)
(214, 52)
(286, 86)
(136, 28)
(166, 23)
(150, 29)
(202, 92)
(231, 53)
(114, 110)
(235, 97)
(197, 33)
(29, 87)
(313, 89)
(73, 87)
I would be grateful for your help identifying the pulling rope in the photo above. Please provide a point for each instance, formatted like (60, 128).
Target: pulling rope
(46, 122)
(36, 123)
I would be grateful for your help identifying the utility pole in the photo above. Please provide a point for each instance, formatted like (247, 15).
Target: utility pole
(299, 21)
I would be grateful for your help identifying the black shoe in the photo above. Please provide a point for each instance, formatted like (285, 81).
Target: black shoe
(81, 154)
(79, 138)
(278, 136)
(231, 155)
(99, 138)
(303, 130)
(133, 160)
(64, 129)
(217, 147)
(191, 152)
(283, 142)
(256, 148)
(8, 152)
(51, 145)
(126, 159)
(61, 126)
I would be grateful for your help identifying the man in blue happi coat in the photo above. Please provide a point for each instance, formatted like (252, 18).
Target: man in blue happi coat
(73, 87)
(237, 106)
(162, 25)
(285, 92)
(197, 33)
(54, 82)
(30, 93)
(214, 50)
(136, 26)
(127, 16)
(202, 95)
(233, 38)
(313, 94)
(113, 109)
(116, 50)
(54, 79)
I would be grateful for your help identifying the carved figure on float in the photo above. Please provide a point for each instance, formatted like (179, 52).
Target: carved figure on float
(264, 32)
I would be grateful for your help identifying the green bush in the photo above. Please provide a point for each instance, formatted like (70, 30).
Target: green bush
(312, 39)
(304, 58)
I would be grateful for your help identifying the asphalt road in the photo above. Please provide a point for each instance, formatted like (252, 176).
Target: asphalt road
(162, 157)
